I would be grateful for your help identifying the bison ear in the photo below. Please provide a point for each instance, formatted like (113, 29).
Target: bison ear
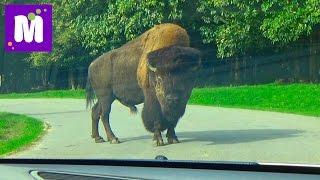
(153, 59)
(172, 56)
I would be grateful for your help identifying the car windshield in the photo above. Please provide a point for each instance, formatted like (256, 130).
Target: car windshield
(205, 80)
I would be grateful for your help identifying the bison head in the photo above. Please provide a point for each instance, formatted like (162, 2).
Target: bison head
(172, 73)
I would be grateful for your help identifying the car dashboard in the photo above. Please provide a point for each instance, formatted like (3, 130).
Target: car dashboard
(116, 170)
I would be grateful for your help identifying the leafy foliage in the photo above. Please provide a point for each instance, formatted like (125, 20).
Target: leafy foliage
(287, 21)
(121, 21)
(67, 51)
(87, 28)
(233, 25)
(249, 27)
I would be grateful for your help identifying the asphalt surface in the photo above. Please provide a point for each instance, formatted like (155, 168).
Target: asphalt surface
(206, 133)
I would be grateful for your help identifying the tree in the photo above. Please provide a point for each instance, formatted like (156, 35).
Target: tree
(245, 28)
(231, 30)
(68, 53)
(121, 21)
(2, 54)
(234, 27)
(88, 28)
(288, 21)
(2, 47)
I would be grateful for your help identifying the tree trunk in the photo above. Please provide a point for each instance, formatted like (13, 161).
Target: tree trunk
(236, 70)
(53, 75)
(296, 70)
(250, 70)
(314, 58)
(2, 54)
(80, 78)
(254, 70)
(71, 79)
(1, 68)
(44, 77)
(232, 72)
(245, 70)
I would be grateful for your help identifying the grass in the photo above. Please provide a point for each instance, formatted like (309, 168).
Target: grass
(75, 94)
(291, 98)
(18, 131)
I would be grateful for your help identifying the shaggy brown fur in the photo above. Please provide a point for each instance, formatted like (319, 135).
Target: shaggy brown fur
(157, 68)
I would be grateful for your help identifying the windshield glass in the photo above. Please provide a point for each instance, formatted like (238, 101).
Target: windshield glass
(208, 80)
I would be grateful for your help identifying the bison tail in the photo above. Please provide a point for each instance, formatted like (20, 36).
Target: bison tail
(89, 93)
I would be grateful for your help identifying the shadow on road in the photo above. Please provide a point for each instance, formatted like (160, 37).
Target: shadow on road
(231, 136)
(54, 113)
(237, 136)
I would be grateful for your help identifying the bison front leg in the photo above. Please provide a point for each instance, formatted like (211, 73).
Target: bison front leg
(171, 136)
(106, 108)
(157, 137)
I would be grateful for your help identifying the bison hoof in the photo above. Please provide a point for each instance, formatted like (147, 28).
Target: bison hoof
(173, 140)
(115, 141)
(158, 143)
(99, 140)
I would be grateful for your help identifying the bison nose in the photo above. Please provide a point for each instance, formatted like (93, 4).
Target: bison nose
(172, 98)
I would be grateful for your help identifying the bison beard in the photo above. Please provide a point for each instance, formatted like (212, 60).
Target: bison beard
(151, 113)
(130, 75)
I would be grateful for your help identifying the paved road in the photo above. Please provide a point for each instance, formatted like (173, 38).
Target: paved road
(206, 133)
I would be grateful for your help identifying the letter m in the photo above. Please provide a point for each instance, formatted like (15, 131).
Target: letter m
(22, 29)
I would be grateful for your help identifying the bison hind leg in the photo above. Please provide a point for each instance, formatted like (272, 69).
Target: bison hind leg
(95, 115)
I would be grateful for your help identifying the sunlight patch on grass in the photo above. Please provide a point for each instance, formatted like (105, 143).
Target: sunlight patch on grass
(17, 131)
(292, 98)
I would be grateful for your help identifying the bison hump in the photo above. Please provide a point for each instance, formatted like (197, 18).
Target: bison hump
(158, 37)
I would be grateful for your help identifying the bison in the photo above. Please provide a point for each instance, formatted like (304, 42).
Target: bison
(158, 68)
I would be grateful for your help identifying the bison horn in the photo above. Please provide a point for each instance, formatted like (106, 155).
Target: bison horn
(153, 69)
